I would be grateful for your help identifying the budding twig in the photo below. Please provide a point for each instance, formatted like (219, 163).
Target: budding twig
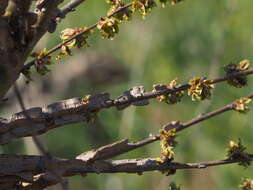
(88, 29)
(178, 126)
(81, 111)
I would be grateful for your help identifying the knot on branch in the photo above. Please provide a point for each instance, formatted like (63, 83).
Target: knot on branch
(132, 97)
(172, 125)
(97, 101)
(33, 113)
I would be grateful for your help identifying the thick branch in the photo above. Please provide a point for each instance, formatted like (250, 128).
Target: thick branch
(36, 140)
(76, 109)
(19, 33)
(20, 30)
(10, 57)
(54, 115)
(34, 169)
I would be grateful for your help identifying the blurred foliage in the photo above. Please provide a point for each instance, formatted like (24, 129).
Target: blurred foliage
(192, 38)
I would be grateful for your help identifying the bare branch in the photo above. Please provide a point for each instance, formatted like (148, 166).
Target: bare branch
(114, 149)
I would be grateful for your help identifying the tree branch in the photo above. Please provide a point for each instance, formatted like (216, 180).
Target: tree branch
(57, 47)
(70, 7)
(76, 109)
(33, 169)
(36, 140)
(18, 36)
(47, 10)
(123, 146)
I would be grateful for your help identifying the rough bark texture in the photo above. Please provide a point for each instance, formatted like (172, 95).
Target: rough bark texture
(31, 172)
(20, 30)
(84, 109)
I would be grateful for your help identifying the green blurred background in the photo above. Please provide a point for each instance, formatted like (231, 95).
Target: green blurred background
(193, 38)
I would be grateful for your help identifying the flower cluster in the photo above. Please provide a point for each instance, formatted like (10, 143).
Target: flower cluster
(79, 41)
(236, 151)
(171, 98)
(91, 116)
(42, 59)
(143, 6)
(167, 144)
(237, 81)
(108, 27)
(241, 105)
(86, 99)
(247, 184)
(124, 14)
(200, 89)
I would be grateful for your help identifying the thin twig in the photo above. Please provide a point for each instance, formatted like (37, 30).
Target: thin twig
(70, 7)
(154, 94)
(126, 147)
(209, 115)
(57, 47)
